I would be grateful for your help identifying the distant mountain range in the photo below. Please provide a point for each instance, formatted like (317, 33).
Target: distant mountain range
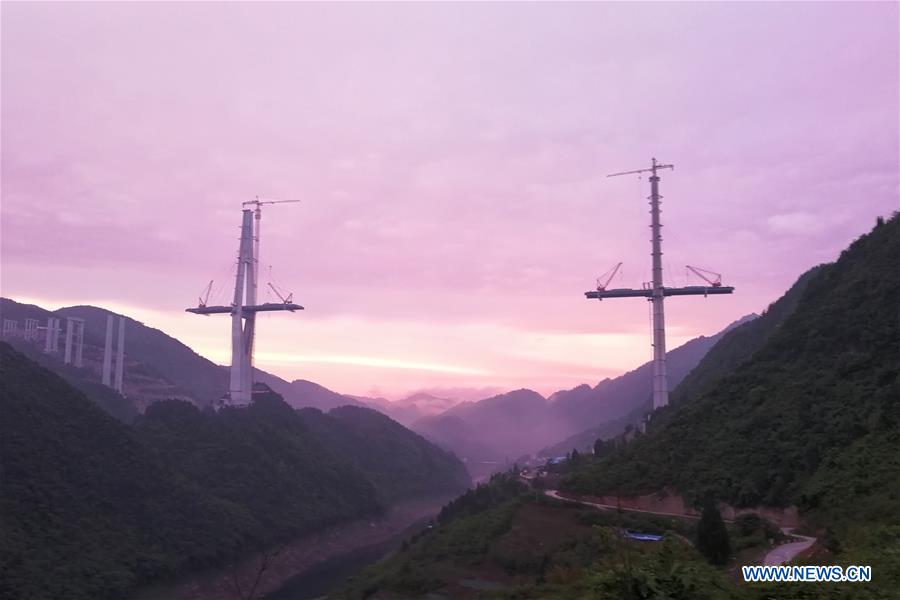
(408, 410)
(510, 425)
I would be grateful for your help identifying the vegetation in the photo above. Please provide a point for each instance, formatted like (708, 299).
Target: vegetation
(87, 510)
(83, 380)
(505, 541)
(804, 413)
(399, 463)
(92, 507)
(712, 537)
(261, 459)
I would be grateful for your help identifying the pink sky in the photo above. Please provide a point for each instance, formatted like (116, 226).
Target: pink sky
(451, 162)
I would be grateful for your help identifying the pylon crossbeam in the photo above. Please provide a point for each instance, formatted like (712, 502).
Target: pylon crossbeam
(685, 291)
(227, 310)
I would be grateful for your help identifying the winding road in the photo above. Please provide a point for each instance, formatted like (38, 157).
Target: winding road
(786, 552)
(776, 556)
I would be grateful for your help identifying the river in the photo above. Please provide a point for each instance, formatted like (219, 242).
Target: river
(319, 580)
(307, 567)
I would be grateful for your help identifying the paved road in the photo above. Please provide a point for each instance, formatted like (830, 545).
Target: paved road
(776, 556)
(786, 552)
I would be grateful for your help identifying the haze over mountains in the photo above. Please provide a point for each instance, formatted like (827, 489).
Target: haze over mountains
(508, 426)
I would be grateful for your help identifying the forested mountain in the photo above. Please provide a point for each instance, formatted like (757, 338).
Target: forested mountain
(811, 417)
(87, 510)
(741, 342)
(92, 507)
(397, 461)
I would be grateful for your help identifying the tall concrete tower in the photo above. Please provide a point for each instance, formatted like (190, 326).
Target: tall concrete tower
(244, 307)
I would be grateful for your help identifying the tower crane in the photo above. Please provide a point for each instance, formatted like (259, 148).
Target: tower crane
(257, 202)
(607, 277)
(205, 297)
(286, 300)
(715, 281)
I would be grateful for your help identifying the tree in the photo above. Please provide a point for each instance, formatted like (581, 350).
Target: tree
(712, 537)
(575, 456)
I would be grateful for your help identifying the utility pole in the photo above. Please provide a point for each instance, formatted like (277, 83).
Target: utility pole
(244, 307)
(656, 292)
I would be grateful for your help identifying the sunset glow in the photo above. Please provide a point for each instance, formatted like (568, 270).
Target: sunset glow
(451, 162)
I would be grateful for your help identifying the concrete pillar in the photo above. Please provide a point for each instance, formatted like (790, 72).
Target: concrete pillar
(57, 329)
(31, 326)
(120, 356)
(239, 393)
(107, 352)
(48, 339)
(79, 344)
(9, 327)
(70, 330)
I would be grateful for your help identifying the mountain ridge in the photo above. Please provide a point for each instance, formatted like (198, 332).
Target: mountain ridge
(93, 507)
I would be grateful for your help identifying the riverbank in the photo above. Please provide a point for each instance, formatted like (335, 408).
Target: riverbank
(323, 578)
(266, 572)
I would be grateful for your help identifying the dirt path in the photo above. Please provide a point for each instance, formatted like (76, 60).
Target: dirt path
(556, 494)
(268, 571)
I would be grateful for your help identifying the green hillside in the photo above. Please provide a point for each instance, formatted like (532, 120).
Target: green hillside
(504, 541)
(802, 408)
(811, 418)
(262, 459)
(91, 507)
(399, 463)
(740, 343)
(87, 510)
(827, 377)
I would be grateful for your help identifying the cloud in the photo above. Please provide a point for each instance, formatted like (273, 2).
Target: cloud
(797, 223)
(449, 189)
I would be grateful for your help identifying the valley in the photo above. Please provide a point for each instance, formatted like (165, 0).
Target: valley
(243, 501)
(450, 300)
